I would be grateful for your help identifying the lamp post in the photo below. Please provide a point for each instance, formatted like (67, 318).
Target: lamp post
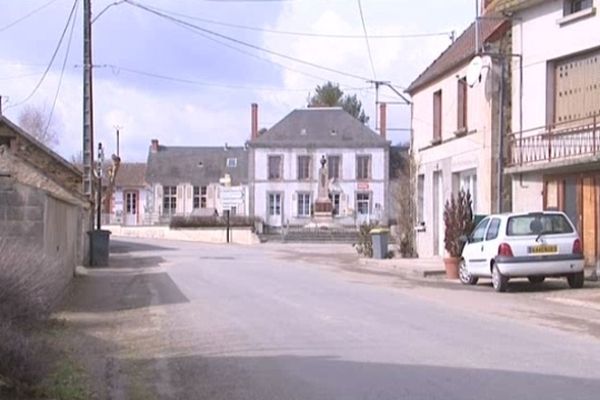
(99, 162)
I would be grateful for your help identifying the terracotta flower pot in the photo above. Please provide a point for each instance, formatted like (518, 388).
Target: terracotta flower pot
(451, 265)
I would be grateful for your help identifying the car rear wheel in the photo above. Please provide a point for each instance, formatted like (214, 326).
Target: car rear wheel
(576, 280)
(536, 279)
(465, 276)
(499, 281)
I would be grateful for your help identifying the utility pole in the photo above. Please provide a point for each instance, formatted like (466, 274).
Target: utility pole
(88, 116)
(118, 132)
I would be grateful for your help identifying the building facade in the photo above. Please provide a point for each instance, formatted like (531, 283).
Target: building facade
(285, 163)
(455, 129)
(196, 181)
(555, 143)
(42, 207)
(127, 204)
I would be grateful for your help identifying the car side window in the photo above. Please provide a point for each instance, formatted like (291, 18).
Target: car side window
(493, 229)
(479, 231)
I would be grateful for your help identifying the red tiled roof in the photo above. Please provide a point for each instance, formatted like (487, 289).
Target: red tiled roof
(131, 175)
(458, 53)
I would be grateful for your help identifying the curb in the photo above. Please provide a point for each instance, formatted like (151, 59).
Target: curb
(382, 265)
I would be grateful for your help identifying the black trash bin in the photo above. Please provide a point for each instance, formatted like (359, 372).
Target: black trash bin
(99, 247)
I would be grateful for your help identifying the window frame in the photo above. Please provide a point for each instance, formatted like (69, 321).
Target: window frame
(487, 231)
(362, 201)
(231, 160)
(303, 204)
(338, 166)
(274, 208)
(571, 7)
(421, 198)
(199, 197)
(437, 116)
(359, 176)
(170, 198)
(483, 223)
(462, 106)
(279, 176)
(303, 172)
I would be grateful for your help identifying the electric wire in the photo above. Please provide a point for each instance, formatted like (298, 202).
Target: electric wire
(62, 71)
(364, 25)
(24, 17)
(246, 44)
(58, 46)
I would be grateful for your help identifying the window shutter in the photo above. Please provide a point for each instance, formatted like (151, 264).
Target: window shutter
(294, 207)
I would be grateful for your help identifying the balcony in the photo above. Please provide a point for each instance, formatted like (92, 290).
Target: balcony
(558, 142)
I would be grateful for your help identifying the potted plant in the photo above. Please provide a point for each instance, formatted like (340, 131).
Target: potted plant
(458, 221)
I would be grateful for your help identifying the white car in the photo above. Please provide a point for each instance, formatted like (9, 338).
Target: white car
(531, 245)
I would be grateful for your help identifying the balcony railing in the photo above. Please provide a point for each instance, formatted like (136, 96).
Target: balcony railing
(555, 142)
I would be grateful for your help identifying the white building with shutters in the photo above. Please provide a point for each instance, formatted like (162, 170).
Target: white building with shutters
(285, 160)
(196, 181)
(455, 133)
(555, 143)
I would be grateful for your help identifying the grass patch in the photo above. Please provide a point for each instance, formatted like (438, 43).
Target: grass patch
(67, 381)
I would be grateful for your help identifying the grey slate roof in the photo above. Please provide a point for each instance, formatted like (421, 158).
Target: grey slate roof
(175, 165)
(319, 127)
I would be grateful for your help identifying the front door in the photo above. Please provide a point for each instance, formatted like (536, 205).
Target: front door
(131, 208)
(588, 223)
(274, 209)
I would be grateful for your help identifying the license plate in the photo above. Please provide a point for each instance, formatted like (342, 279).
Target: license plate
(543, 249)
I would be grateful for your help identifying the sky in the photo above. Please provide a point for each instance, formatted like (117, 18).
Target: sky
(177, 81)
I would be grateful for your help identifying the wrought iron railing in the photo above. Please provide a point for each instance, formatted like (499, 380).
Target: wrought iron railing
(562, 141)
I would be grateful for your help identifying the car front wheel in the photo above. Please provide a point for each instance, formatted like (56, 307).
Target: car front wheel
(499, 281)
(465, 276)
(576, 280)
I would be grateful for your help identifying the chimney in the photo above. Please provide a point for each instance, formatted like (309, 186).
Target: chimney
(154, 146)
(383, 120)
(254, 122)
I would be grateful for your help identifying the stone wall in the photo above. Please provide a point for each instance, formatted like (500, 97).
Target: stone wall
(205, 235)
(22, 212)
(36, 221)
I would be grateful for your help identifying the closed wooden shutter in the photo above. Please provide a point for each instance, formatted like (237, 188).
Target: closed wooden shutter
(437, 116)
(577, 87)
(462, 104)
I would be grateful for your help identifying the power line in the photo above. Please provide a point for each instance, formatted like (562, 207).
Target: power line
(364, 25)
(117, 68)
(246, 44)
(62, 36)
(24, 17)
(62, 71)
(306, 34)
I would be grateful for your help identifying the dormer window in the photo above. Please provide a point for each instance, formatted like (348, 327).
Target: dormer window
(231, 162)
(575, 6)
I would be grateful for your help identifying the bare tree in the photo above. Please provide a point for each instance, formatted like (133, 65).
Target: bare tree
(36, 121)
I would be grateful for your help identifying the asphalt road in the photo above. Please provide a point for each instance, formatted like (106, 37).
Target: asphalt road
(255, 323)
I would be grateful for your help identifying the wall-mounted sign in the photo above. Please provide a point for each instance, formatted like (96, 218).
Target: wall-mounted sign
(362, 185)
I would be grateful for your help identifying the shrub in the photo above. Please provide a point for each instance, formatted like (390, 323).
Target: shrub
(30, 286)
(458, 220)
(235, 221)
(364, 246)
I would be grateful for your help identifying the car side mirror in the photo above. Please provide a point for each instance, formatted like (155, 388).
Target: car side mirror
(464, 239)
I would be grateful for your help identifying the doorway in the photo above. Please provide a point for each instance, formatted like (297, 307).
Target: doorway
(131, 208)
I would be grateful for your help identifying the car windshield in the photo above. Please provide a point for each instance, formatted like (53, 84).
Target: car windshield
(536, 224)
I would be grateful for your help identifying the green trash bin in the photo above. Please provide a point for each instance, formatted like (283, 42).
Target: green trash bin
(99, 247)
(379, 240)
